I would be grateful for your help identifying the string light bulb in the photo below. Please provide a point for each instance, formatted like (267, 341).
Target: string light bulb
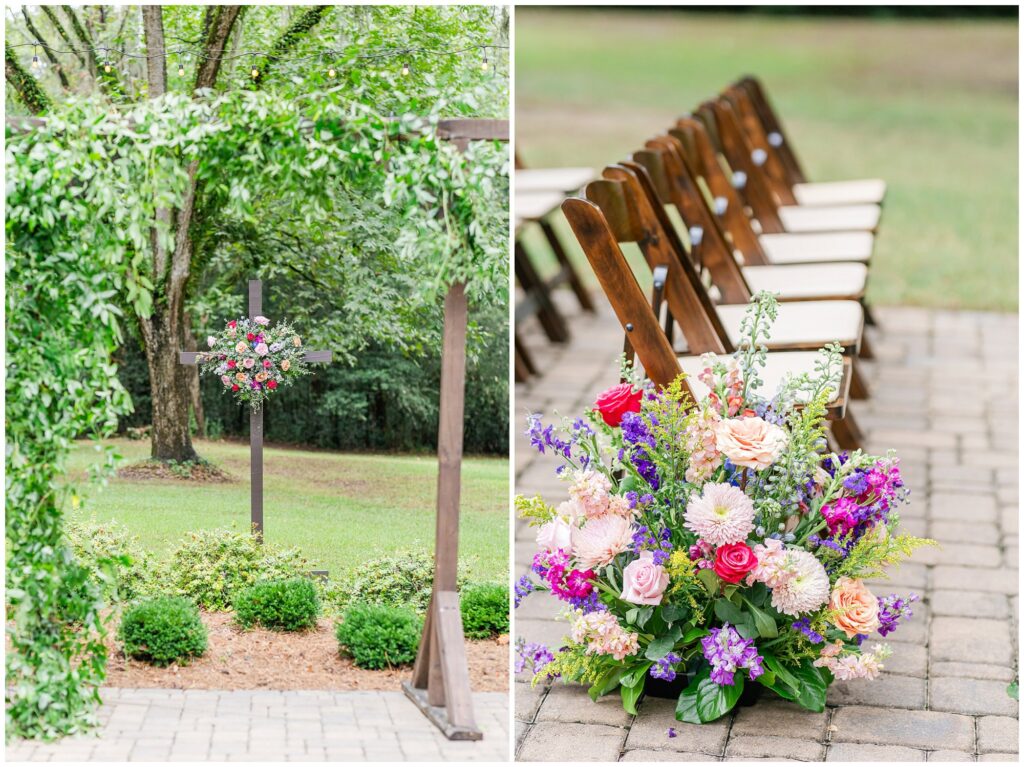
(485, 65)
(255, 72)
(181, 68)
(331, 72)
(107, 66)
(36, 64)
(405, 68)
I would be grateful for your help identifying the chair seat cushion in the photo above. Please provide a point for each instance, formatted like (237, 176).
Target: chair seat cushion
(530, 206)
(804, 324)
(552, 179)
(776, 368)
(818, 248)
(830, 218)
(869, 191)
(802, 281)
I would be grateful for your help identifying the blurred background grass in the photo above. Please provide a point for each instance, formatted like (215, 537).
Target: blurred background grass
(929, 105)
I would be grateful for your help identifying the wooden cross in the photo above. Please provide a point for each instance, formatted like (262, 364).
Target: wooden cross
(440, 678)
(256, 416)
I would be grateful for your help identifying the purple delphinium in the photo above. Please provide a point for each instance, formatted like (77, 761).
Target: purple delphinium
(727, 652)
(544, 438)
(532, 656)
(588, 604)
(638, 438)
(891, 610)
(645, 540)
(663, 667)
(524, 586)
(804, 627)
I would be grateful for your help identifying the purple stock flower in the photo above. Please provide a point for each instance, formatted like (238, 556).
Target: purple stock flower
(524, 586)
(663, 667)
(727, 652)
(532, 656)
(891, 610)
(637, 437)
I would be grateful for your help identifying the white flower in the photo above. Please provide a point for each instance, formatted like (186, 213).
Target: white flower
(210, 341)
(807, 587)
(723, 514)
(261, 320)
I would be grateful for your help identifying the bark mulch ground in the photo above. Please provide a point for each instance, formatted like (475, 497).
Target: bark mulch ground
(260, 659)
(196, 472)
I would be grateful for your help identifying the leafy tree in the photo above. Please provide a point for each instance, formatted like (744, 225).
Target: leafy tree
(122, 204)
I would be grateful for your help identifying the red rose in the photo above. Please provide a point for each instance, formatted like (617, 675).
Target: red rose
(231, 363)
(233, 324)
(615, 402)
(271, 384)
(733, 561)
(234, 387)
(249, 336)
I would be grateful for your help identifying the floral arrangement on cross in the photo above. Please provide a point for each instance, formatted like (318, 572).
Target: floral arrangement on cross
(253, 358)
(716, 543)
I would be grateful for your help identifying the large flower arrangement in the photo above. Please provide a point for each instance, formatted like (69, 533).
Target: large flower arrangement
(718, 539)
(253, 358)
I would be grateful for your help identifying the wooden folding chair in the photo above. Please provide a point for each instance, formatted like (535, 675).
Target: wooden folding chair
(730, 141)
(759, 117)
(805, 326)
(632, 216)
(758, 248)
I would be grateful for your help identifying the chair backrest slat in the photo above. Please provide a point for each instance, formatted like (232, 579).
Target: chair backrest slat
(623, 291)
(772, 124)
(728, 139)
(757, 138)
(703, 161)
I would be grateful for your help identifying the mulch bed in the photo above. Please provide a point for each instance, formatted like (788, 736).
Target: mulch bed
(151, 469)
(260, 659)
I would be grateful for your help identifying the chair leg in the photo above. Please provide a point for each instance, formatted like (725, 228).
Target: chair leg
(846, 432)
(867, 352)
(858, 386)
(582, 294)
(524, 365)
(550, 318)
(869, 318)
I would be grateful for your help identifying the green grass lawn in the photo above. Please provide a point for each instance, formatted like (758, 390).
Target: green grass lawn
(340, 509)
(931, 106)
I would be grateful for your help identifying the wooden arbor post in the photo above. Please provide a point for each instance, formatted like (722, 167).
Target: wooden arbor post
(440, 679)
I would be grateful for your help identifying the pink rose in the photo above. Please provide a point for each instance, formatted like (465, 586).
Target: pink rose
(733, 561)
(226, 380)
(615, 402)
(261, 320)
(261, 349)
(249, 362)
(643, 582)
(555, 535)
(210, 341)
(750, 442)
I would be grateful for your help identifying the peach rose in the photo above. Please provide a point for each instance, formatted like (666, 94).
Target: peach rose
(286, 365)
(240, 347)
(856, 608)
(750, 442)
(643, 582)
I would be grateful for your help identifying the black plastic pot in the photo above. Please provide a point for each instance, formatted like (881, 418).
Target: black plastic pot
(751, 694)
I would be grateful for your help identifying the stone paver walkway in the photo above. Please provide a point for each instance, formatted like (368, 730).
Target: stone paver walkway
(159, 725)
(944, 394)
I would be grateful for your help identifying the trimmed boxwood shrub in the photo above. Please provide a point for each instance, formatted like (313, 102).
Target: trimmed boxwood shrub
(289, 605)
(484, 610)
(162, 631)
(378, 636)
(211, 566)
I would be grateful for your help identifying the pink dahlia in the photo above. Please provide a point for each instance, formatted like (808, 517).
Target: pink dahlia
(723, 514)
(600, 540)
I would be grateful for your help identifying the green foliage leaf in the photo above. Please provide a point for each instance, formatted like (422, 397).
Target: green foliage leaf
(704, 701)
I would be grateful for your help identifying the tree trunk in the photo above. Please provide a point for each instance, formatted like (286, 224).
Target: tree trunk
(169, 386)
(28, 90)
